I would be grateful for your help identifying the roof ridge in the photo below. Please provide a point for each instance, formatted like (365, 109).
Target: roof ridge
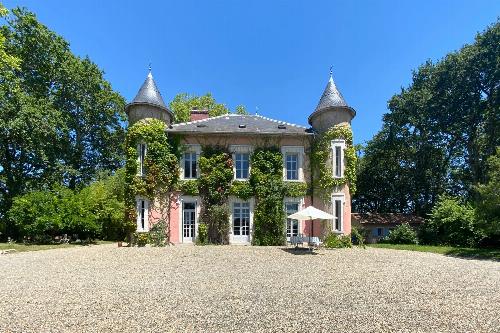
(280, 121)
(202, 120)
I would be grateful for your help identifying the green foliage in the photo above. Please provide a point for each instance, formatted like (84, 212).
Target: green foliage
(36, 215)
(358, 236)
(157, 234)
(183, 103)
(321, 157)
(452, 222)
(334, 241)
(295, 189)
(94, 212)
(241, 189)
(140, 239)
(202, 235)
(216, 219)
(488, 203)
(214, 184)
(402, 234)
(162, 169)
(188, 187)
(438, 134)
(61, 121)
(216, 174)
(240, 109)
(266, 177)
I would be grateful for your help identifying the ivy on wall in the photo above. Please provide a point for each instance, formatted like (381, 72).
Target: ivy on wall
(296, 189)
(214, 183)
(266, 178)
(161, 171)
(321, 158)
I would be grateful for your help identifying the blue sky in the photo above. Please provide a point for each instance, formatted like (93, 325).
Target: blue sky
(274, 55)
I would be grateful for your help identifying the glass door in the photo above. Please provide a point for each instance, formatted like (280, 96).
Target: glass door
(188, 221)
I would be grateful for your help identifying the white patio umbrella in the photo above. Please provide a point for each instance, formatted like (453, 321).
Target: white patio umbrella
(311, 213)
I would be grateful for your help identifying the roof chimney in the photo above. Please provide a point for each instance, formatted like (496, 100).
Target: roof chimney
(198, 114)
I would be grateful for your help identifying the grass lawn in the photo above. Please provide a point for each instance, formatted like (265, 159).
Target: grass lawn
(446, 250)
(20, 247)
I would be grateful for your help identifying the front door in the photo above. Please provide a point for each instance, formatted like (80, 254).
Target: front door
(292, 225)
(188, 222)
(241, 222)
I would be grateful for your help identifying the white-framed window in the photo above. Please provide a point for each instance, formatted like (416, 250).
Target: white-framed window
(338, 201)
(292, 166)
(141, 157)
(338, 147)
(293, 160)
(189, 162)
(242, 165)
(142, 206)
(241, 158)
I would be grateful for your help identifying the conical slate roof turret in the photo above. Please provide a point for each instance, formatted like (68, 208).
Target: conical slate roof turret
(149, 93)
(331, 96)
(148, 103)
(332, 109)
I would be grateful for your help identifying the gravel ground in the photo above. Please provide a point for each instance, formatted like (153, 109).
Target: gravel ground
(245, 289)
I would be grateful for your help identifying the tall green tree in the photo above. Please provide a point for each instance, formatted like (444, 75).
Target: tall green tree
(438, 134)
(183, 103)
(60, 120)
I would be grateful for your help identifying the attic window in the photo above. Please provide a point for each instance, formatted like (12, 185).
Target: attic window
(201, 125)
(282, 126)
(242, 126)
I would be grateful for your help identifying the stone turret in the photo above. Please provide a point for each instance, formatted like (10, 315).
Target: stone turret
(148, 104)
(332, 109)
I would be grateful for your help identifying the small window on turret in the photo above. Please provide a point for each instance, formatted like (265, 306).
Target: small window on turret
(338, 158)
(141, 150)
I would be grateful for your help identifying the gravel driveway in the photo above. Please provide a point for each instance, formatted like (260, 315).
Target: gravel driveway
(245, 289)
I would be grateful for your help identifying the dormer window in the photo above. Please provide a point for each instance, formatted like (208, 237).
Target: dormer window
(338, 147)
(141, 152)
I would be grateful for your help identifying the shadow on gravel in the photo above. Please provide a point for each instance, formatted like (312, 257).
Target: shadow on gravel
(299, 251)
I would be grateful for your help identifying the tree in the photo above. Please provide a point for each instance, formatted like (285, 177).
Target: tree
(60, 121)
(183, 103)
(438, 134)
(241, 109)
(488, 204)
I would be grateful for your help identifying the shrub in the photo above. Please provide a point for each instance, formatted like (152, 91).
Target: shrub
(36, 216)
(216, 217)
(140, 239)
(202, 237)
(452, 222)
(158, 234)
(334, 241)
(358, 236)
(402, 234)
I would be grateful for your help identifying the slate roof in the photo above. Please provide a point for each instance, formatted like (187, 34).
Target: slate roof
(149, 94)
(387, 218)
(331, 97)
(239, 124)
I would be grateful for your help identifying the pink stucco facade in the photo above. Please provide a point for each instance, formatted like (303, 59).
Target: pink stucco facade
(232, 132)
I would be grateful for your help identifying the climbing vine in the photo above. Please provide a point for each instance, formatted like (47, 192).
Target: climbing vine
(161, 172)
(266, 178)
(295, 189)
(321, 158)
(214, 183)
(242, 189)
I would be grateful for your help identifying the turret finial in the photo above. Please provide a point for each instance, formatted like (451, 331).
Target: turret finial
(331, 71)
